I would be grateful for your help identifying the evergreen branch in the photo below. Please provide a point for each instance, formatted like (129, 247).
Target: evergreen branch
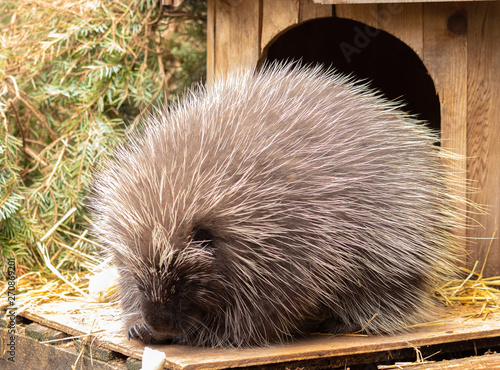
(83, 74)
(35, 111)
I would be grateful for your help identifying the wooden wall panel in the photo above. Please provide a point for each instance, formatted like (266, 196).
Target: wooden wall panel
(236, 36)
(365, 13)
(445, 56)
(238, 31)
(277, 17)
(483, 120)
(310, 10)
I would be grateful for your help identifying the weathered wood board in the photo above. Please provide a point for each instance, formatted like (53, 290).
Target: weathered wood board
(483, 128)
(487, 362)
(80, 319)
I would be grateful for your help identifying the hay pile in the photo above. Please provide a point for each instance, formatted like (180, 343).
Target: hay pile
(475, 290)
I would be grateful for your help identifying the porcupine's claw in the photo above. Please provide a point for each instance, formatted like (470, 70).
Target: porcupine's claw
(134, 333)
(140, 332)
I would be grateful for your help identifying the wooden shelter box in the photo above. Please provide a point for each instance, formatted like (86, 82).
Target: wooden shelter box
(442, 59)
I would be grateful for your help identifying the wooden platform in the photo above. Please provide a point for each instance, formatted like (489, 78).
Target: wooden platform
(79, 320)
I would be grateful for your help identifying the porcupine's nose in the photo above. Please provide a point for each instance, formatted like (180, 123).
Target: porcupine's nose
(163, 325)
(159, 318)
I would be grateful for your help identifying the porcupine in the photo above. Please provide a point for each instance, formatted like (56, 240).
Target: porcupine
(275, 203)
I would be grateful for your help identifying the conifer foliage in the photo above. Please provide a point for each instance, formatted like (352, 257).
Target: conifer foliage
(75, 76)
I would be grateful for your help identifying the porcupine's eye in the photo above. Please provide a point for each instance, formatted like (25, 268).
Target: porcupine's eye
(203, 238)
(185, 289)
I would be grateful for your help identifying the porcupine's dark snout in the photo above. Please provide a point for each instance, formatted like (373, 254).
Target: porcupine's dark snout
(163, 319)
(162, 322)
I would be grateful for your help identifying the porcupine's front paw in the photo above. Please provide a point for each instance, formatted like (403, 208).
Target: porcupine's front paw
(140, 331)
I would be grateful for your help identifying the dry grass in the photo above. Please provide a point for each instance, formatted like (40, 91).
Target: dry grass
(37, 288)
(474, 291)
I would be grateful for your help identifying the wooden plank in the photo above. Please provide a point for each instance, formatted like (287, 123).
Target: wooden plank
(30, 354)
(445, 56)
(222, 39)
(237, 29)
(454, 329)
(277, 17)
(310, 10)
(483, 119)
(245, 34)
(487, 362)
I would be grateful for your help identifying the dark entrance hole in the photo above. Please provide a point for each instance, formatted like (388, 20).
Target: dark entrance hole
(368, 53)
